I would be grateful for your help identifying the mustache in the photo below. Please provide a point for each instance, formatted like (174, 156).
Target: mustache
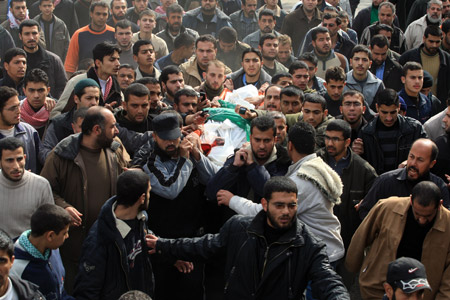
(412, 168)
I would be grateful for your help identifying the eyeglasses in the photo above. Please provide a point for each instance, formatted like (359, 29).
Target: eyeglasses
(349, 104)
(333, 139)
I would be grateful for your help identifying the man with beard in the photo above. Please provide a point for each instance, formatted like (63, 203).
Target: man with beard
(245, 20)
(252, 244)
(266, 24)
(134, 115)
(76, 168)
(415, 31)
(268, 45)
(421, 158)
(133, 13)
(291, 100)
(118, 11)
(352, 111)
(206, 19)
(144, 56)
(22, 191)
(214, 79)
(251, 71)
(171, 80)
(123, 35)
(406, 226)
(174, 28)
(178, 172)
(38, 57)
(434, 60)
(118, 233)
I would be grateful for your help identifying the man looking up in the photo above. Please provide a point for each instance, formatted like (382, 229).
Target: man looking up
(268, 45)
(266, 23)
(251, 71)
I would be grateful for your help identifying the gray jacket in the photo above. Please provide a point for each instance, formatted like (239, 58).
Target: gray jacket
(253, 38)
(370, 88)
(60, 37)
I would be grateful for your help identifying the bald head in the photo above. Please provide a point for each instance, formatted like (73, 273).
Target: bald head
(421, 159)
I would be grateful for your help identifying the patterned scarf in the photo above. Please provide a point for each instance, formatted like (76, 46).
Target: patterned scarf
(35, 119)
(13, 22)
(28, 246)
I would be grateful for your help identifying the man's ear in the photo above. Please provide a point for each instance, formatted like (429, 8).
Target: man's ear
(264, 203)
(388, 290)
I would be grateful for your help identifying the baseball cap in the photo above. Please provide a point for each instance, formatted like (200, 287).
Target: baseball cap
(167, 126)
(408, 274)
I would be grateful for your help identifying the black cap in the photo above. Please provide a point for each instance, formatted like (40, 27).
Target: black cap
(427, 80)
(167, 126)
(408, 274)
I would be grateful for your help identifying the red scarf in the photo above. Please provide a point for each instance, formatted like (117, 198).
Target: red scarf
(35, 119)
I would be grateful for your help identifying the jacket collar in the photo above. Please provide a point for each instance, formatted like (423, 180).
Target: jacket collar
(69, 147)
(370, 78)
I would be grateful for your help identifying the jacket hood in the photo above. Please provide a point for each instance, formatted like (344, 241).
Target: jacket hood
(69, 147)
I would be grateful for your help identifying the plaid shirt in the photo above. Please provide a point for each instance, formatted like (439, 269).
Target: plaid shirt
(243, 29)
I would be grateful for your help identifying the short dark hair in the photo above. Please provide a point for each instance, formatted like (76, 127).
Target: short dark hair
(6, 93)
(281, 184)
(104, 49)
(335, 73)
(140, 43)
(184, 39)
(263, 123)
(278, 76)
(147, 12)
(446, 26)
(411, 66)
(354, 93)
(361, 48)
(318, 30)
(188, 92)
(379, 40)
(13, 52)
(206, 38)
(328, 16)
(124, 24)
(175, 8)
(251, 50)
(297, 65)
(430, 30)
(94, 4)
(426, 193)
(266, 12)
(292, 90)
(93, 117)
(10, 143)
(303, 137)
(6, 243)
(49, 217)
(12, 1)
(131, 185)
(309, 57)
(267, 36)
(169, 70)
(316, 98)
(227, 35)
(36, 75)
(135, 89)
(147, 80)
(29, 23)
(271, 86)
(384, 27)
(111, 5)
(128, 66)
(387, 97)
(341, 126)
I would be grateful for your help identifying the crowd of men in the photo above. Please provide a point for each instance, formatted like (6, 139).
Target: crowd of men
(107, 187)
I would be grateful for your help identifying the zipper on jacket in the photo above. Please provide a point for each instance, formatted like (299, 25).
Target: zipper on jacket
(121, 264)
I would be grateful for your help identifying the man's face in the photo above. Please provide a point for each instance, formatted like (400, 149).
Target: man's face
(140, 5)
(110, 64)
(174, 84)
(352, 109)
(99, 16)
(205, 52)
(386, 15)
(251, 63)
(281, 209)
(155, 95)
(271, 3)
(424, 215)
(400, 295)
(335, 89)
(137, 108)
(331, 25)
(215, 76)
(290, 104)
(208, 6)
(344, 24)
(187, 105)
(269, 49)
(360, 63)
(413, 81)
(123, 36)
(174, 20)
(301, 78)
(432, 44)
(170, 147)
(90, 97)
(227, 47)
(16, 68)
(146, 56)
(6, 263)
(309, 5)
(446, 37)
(36, 92)
(105, 138)
(313, 113)
(47, 8)
(125, 77)
(419, 161)
(13, 164)
(10, 115)
(379, 55)
(335, 143)
(388, 114)
(272, 99)
(284, 52)
(147, 23)
(445, 7)
(284, 81)
(119, 9)
(262, 143)
(434, 12)
(312, 69)
(58, 239)
(387, 34)
(281, 130)
(322, 44)
(19, 10)
(30, 38)
(446, 121)
(266, 24)
(249, 8)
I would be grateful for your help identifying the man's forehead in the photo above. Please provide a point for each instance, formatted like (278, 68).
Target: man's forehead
(6, 153)
(16, 4)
